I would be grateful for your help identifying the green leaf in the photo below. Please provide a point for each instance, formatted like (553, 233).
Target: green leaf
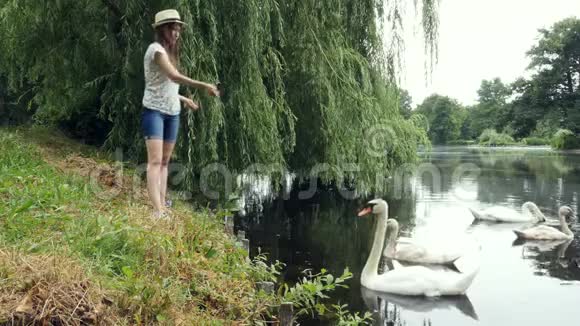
(27, 205)
(329, 278)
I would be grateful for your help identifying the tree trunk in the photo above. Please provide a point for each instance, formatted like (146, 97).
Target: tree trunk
(569, 82)
(113, 7)
(3, 113)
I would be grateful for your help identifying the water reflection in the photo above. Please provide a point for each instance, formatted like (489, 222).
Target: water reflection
(553, 258)
(323, 232)
(386, 307)
(509, 174)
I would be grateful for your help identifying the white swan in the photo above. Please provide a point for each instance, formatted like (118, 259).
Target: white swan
(530, 213)
(544, 232)
(440, 251)
(411, 280)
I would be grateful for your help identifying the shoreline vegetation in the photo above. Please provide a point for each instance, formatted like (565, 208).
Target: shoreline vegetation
(562, 140)
(71, 253)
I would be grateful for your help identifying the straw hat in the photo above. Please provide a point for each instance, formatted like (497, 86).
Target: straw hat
(167, 16)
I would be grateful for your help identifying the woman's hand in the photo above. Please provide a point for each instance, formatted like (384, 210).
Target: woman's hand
(212, 90)
(190, 103)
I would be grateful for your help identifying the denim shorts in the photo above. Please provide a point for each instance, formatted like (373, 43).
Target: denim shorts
(158, 125)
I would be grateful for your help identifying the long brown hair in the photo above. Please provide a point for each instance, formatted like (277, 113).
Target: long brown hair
(172, 49)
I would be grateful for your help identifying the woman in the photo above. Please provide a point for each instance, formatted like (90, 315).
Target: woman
(161, 103)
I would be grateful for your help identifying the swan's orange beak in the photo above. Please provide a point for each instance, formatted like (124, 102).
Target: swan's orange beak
(365, 211)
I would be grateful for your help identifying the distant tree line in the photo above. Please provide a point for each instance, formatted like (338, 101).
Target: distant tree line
(539, 110)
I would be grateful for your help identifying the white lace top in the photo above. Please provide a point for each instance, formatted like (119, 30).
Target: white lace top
(161, 93)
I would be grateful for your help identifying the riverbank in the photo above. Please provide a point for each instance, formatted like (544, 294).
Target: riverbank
(78, 245)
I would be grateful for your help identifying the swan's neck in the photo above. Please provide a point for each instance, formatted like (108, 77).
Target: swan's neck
(535, 212)
(564, 225)
(392, 238)
(372, 265)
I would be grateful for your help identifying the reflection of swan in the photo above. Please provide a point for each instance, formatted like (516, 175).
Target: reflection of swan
(419, 304)
(540, 245)
(548, 246)
(530, 213)
(411, 280)
(562, 248)
(562, 254)
(544, 232)
(562, 260)
(435, 251)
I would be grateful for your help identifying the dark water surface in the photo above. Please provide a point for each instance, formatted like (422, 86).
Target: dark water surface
(518, 283)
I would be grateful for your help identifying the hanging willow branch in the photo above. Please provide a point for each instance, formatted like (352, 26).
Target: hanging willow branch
(113, 7)
(305, 80)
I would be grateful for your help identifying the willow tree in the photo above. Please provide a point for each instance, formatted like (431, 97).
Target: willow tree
(306, 81)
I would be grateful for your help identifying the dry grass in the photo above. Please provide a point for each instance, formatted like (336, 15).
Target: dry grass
(128, 268)
(50, 290)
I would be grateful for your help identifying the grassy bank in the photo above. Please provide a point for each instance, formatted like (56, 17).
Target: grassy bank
(77, 245)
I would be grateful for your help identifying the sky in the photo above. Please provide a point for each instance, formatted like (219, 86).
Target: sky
(479, 39)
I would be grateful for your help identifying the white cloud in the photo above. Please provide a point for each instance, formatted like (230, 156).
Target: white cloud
(480, 39)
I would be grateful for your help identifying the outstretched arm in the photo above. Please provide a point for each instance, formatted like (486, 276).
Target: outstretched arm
(163, 61)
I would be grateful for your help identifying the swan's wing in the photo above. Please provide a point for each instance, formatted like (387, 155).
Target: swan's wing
(505, 214)
(411, 252)
(436, 249)
(551, 222)
(501, 214)
(390, 254)
(411, 280)
(542, 232)
(422, 253)
(422, 280)
(500, 211)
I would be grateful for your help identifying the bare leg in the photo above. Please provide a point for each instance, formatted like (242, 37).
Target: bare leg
(167, 150)
(154, 159)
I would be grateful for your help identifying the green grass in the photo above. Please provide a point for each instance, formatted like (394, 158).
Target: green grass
(78, 249)
(149, 272)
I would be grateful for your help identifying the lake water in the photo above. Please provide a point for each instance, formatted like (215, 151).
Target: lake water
(518, 283)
